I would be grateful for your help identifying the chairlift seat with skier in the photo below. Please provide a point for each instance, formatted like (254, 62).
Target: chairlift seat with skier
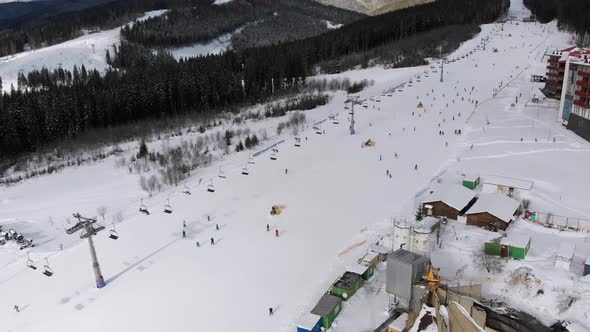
(273, 156)
(221, 174)
(186, 190)
(297, 142)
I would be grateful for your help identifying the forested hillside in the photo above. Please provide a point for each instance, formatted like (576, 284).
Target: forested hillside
(572, 15)
(264, 23)
(63, 104)
(44, 31)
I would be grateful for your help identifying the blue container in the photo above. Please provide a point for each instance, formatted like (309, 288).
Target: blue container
(587, 267)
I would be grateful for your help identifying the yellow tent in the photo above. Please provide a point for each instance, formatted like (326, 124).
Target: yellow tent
(420, 105)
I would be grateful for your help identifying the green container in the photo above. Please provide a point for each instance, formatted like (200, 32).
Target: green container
(471, 182)
(347, 285)
(328, 308)
(493, 248)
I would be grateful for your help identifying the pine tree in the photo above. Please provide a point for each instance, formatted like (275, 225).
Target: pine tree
(143, 150)
(248, 142)
(228, 136)
(419, 214)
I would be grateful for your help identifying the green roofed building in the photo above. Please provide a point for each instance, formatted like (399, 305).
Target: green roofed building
(347, 285)
(328, 308)
(511, 246)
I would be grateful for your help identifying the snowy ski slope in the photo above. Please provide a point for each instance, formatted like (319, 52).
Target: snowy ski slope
(336, 195)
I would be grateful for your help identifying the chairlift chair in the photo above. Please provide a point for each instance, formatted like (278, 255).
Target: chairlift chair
(210, 187)
(30, 263)
(273, 156)
(186, 190)
(221, 174)
(245, 170)
(167, 207)
(318, 130)
(251, 160)
(143, 208)
(48, 271)
(113, 234)
(297, 142)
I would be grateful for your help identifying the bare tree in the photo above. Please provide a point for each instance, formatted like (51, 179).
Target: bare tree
(492, 264)
(118, 217)
(102, 211)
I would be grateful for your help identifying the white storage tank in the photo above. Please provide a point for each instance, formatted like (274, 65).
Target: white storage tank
(402, 231)
(422, 236)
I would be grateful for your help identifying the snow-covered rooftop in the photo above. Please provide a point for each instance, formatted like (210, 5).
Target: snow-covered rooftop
(454, 195)
(308, 321)
(496, 204)
(370, 256)
(508, 181)
(326, 305)
(358, 268)
(566, 250)
(516, 240)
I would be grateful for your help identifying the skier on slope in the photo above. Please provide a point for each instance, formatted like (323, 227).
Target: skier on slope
(416, 167)
(267, 227)
(183, 233)
(212, 241)
(277, 232)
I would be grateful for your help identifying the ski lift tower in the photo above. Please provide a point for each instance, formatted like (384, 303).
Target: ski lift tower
(442, 64)
(89, 228)
(353, 100)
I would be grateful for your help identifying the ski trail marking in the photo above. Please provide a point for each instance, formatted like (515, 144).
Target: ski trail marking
(350, 247)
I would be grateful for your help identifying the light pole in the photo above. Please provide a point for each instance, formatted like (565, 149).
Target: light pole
(89, 229)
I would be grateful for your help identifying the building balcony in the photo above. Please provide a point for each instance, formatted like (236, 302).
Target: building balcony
(583, 83)
(552, 67)
(553, 59)
(558, 76)
(581, 104)
(584, 74)
(582, 94)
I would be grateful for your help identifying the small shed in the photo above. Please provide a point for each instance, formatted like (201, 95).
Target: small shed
(399, 324)
(512, 246)
(512, 187)
(449, 201)
(347, 285)
(587, 266)
(309, 323)
(365, 270)
(328, 309)
(493, 210)
(371, 257)
(404, 269)
(564, 256)
(381, 250)
(471, 181)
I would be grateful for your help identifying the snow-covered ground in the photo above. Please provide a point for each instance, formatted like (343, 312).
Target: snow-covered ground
(88, 50)
(336, 195)
(216, 46)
